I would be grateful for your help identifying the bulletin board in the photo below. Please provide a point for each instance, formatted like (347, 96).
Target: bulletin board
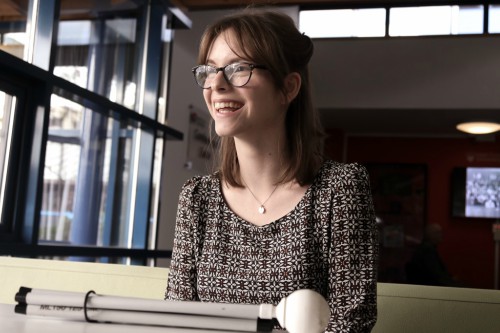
(201, 145)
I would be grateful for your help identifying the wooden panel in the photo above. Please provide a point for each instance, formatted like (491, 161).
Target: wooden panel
(213, 4)
(13, 10)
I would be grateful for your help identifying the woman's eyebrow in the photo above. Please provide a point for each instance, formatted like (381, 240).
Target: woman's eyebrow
(231, 61)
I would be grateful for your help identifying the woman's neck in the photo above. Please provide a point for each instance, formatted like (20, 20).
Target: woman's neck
(261, 165)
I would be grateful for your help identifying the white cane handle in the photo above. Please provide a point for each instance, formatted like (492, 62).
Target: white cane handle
(303, 311)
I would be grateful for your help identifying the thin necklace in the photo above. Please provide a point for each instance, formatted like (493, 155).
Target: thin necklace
(262, 208)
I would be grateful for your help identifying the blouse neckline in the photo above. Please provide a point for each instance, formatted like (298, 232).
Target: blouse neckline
(244, 222)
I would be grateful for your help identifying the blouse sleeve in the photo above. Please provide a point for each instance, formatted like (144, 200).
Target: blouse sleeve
(182, 275)
(353, 258)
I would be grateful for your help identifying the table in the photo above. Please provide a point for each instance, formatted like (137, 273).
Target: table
(12, 322)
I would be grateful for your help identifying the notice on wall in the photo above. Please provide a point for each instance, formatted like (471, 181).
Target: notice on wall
(201, 148)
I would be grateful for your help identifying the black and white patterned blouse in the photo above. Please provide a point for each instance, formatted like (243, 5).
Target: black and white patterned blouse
(328, 243)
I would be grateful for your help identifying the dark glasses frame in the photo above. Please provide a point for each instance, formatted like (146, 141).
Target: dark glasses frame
(223, 70)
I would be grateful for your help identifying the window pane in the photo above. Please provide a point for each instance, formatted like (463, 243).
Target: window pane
(418, 21)
(86, 177)
(102, 46)
(467, 20)
(494, 19)
(60, 170)
(435, 20)
(343, 23)
(13, 27)
(77, 32)
(7, 105)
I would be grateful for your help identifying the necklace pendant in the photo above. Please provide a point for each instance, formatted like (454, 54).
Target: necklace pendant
(262, 209)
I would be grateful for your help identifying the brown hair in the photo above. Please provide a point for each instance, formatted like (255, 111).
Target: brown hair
(271, 39)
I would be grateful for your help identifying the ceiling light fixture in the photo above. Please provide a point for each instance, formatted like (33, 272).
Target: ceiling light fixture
(478, 127)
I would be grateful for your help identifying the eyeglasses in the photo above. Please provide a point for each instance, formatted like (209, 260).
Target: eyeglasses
(237, 74)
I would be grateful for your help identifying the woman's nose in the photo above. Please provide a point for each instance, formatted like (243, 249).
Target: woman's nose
(219, 81)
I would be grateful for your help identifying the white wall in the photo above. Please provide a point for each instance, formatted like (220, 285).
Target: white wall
(440, 72)
(421, 86)
(183, 93)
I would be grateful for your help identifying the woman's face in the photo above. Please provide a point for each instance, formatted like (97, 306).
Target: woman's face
(246, 112)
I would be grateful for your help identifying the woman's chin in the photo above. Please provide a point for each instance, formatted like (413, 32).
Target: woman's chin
(223, 132)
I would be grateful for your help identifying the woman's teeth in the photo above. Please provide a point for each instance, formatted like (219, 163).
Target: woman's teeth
(227, 106)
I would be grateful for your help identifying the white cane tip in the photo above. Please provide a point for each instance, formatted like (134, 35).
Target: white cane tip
(303, 311)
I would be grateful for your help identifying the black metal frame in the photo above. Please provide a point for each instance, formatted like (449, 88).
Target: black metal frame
(35, 85)
(41, 250)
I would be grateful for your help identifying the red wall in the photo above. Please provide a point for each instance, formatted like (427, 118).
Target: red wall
(467, 247)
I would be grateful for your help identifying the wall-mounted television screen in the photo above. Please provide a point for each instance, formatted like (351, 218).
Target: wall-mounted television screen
(475, 192)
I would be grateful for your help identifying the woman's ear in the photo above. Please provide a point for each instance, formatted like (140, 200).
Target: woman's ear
(292, 86)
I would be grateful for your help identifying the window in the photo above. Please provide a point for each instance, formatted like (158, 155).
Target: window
(343, 22)
(91, 134)
(13, 28)
(398, 21)
(494, 19)
(435, 20)
(100, 54)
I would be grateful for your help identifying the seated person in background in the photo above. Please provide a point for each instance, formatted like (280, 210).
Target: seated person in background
(426, 266)
(277, 216)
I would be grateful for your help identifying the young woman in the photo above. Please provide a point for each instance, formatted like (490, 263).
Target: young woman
(276, 216)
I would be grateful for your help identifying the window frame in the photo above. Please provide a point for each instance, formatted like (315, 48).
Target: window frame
(34, 84)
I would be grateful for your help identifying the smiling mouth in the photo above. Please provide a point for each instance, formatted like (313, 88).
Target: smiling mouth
(224, 107)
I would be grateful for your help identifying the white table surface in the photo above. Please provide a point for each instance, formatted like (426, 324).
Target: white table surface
(11, 322)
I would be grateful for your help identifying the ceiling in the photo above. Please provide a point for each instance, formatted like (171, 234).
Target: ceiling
(19, 8)
(193, 5)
